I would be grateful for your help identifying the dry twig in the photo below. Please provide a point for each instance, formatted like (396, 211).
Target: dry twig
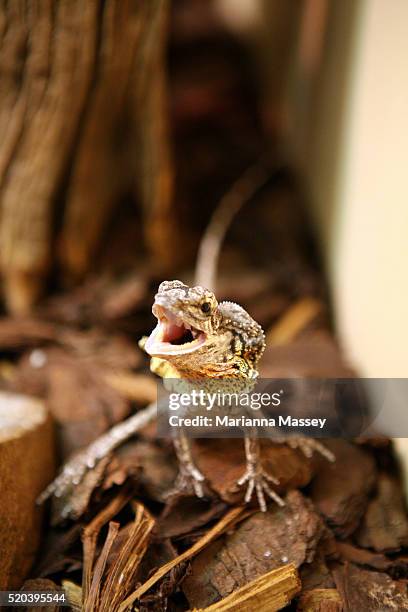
(213, 533)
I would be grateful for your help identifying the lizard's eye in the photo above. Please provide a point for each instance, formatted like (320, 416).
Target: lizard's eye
(206, 307)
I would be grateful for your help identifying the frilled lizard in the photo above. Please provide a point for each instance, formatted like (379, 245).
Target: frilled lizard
(195, 338)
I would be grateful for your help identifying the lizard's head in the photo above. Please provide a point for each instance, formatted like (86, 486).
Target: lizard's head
(187, 318)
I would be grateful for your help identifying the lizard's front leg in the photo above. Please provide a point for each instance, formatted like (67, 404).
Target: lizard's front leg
(255, 475)
(189, 477)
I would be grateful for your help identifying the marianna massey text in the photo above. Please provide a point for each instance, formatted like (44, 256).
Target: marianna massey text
(244, 421)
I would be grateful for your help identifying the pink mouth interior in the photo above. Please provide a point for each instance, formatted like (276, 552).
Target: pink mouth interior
(172, 335)
(176, 334)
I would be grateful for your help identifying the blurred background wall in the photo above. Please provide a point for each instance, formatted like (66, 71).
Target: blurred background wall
(356, 170)
(355, 163)
(335, 80)
(340, 108)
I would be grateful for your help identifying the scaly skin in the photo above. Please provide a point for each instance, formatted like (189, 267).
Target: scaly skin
(227, 346)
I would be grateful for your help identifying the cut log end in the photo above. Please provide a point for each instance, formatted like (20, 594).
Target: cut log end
(26, 467)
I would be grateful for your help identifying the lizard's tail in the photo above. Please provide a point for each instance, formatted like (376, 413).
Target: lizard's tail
(230, 204)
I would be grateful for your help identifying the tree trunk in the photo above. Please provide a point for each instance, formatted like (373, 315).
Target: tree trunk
(82, 122)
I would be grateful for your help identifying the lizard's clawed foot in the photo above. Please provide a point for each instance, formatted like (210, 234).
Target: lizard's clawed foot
(257, 480)
(308, 446)
(189, 480)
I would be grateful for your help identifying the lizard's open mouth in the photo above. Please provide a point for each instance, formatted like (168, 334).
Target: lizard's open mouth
(172, 336)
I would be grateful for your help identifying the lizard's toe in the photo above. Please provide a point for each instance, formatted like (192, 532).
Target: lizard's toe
(258, 481)
(308, 446)
(188, 481)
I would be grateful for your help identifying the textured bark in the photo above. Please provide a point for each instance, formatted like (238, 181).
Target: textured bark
(367, 590)
(270, 592)
(123, 143)
(261, 543)
(79, 128)
(341, 490)
(385, 524)
(51, 72)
